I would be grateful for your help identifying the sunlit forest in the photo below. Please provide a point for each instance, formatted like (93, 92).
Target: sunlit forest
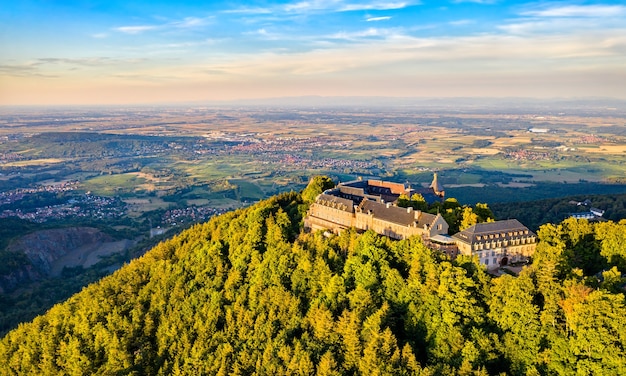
(250, 293)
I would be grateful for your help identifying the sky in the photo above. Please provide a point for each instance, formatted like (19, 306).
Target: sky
(56, 52)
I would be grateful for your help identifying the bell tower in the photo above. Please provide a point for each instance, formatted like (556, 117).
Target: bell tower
(437, 187)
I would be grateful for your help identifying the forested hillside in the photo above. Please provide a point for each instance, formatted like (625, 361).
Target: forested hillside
(248, 293)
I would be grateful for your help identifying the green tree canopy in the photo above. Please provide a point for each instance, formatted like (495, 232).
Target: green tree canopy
(317, 185)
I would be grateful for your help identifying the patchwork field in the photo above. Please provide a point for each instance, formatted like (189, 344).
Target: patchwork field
(33, 162)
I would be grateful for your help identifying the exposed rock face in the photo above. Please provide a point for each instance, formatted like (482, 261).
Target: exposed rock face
(43, 248)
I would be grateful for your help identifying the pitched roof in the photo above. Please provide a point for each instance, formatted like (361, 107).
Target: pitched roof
(355, 184)
(392, 214)
(336, 202)
(476, 232)
(426, 219)
(386, 187)
(442, 239)
(346, 189)
(398, 215)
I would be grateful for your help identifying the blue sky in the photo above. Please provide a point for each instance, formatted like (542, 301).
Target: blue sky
(118, 52)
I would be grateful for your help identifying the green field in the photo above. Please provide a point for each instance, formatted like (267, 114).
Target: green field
(111, 185)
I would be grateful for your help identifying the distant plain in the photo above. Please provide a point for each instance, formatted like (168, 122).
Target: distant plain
(233, 154)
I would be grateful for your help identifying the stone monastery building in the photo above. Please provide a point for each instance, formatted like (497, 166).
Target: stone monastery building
(371, 205)
(497, 243)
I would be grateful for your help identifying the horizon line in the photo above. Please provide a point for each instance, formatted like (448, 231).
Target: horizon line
(291, 100)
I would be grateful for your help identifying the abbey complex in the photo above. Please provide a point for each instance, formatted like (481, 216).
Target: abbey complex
(373, 205)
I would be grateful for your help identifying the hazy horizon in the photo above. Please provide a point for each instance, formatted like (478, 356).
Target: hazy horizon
(143, 52)
(480, 104)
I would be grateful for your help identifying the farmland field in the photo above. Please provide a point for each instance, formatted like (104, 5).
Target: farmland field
(225, 155)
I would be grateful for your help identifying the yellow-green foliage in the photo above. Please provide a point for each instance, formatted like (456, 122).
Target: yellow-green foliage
(247, 293)
(317, 185)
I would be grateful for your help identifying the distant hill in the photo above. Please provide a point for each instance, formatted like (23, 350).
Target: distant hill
(248, 293)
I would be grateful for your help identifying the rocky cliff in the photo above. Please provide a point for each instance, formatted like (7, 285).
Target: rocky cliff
(45, 248)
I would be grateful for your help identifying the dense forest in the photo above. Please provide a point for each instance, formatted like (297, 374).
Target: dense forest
(492, 193)
(249, 293)
(535, 213)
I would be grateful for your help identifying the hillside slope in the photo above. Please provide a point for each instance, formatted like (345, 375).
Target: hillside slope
(247, 293)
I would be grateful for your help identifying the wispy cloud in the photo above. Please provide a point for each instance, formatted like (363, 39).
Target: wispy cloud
(461, 22)
(376, 6)
(190, 22)
(481, 54)
(376, 19)
(135, 29)
(185, 23)
(369, 33)
(398, 62)
(249, 10)
(567, 19)
(51, 67)
(311, 5)
(89, 61)
(342, 6)
(23, 70)
(147, 76)
(579, 11)
(263, 33)
(174, 50)
(476, 1)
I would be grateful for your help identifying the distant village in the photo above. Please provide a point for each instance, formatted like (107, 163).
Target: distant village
(373, 205)
(76, 206)
(88, 205)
